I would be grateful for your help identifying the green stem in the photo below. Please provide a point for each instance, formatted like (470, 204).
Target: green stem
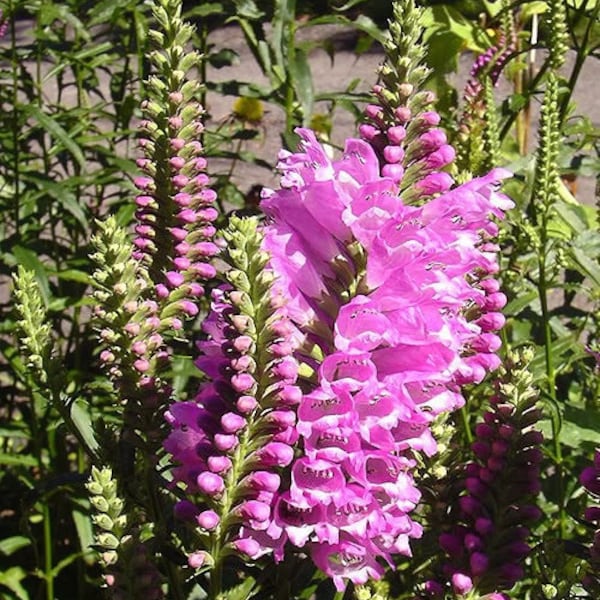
(48, 571)
(551, 378)
(464, 417)
(15, 117)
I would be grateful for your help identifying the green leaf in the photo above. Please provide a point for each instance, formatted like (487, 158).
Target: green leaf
(243, 591)
(62, 193)
(580, 426)
(223, 58)
(85, 533)
(303, 83)
(205, 9)
(57, 132)
(13, 544)
(18, 460)
(81, 419)
(587, 265)
(74, 275)
(29, 259)
(522, 301)
(247, 9)
(11, 578)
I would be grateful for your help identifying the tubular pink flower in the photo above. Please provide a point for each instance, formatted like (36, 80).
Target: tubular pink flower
(394, 354)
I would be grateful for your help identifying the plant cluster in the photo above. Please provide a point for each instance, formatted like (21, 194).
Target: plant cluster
(377, 381)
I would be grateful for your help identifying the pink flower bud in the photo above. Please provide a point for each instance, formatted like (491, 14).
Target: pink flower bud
(210, 483)
(373, 111)
(243, 343)
(144, 201)
(177, 144)
(461, 583)
(396, 134)
(290, 395)
(141, 365)
(177, 162)
(243, 382)
(196, 560)
(247, 546)
(434, 183)
(204, 270)
(162, 291)
(176, 97)
(208, 519)
(208, 214)
(264, 480)
(174, 278)
(219, 464)
(180, 181)
(144, 183)
(188, 307)
(275, 454)
(187, 215)
(394, 172)
(479, 563)
(176, 122)
(207, 196)
(246, 404)
(138, 348)
(403, 114)
(368, 132)
(393, 154)
(232, 422)
(178, 233)
(225, 442)
(182, 263)
(183, 198)
(430, 118)
(251, 509)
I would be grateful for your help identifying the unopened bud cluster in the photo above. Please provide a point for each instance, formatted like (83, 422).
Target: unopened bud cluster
(175, 209)
(402, 125)
(488, 544)
(231, 441)
(35, 340)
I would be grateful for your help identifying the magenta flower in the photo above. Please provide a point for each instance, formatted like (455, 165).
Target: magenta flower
(401, 303)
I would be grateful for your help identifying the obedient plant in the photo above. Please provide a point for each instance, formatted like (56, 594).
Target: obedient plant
(333, 338)
(390, 309)
(487, 544)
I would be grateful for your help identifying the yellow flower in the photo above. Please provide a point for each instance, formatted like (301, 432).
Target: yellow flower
(249, 110)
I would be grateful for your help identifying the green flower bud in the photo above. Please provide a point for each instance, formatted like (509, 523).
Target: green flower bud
(103, 521)
(100, 503)
(107, 540)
